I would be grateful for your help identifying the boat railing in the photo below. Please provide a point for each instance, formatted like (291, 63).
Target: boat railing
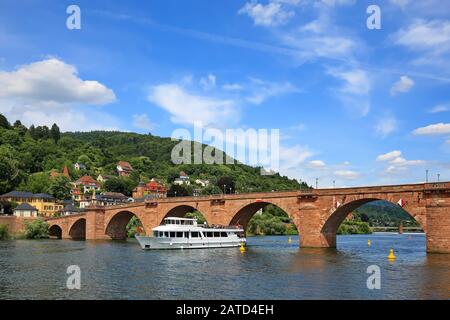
(218, 226)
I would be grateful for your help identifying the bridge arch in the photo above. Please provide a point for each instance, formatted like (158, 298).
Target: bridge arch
(116, 227)
(180, 211)
(331, 225)
(55, 231)
(78, 229)
(244, 214)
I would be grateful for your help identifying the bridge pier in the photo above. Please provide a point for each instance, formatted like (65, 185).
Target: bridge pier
(438, 228)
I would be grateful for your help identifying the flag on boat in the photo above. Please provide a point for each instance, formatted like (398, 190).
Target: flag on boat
(401, 203)
(338, 204)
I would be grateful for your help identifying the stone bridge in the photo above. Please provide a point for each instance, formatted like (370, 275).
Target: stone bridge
(317, 213)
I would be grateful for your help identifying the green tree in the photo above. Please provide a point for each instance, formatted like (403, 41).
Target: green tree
(36, 229)
(55, 133)
(9, 170)
(60, 187)
(226, 184)
(196, 215)
(4, 122)
(122, 185)
(176, 190)
(36, 183)
(132, 226)
(8, 207)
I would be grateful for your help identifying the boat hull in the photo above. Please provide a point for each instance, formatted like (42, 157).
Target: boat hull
(152, 243)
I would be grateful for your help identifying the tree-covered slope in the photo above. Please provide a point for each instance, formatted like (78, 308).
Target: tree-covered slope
(25, 152)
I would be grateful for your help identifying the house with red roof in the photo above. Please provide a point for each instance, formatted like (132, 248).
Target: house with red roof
(153, 189)
(124, 168)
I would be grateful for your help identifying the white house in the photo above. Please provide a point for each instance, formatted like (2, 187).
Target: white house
(25, 210)
(183, 179)
(203, 183)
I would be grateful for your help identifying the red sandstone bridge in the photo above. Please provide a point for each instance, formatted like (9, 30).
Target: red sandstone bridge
(315, 212)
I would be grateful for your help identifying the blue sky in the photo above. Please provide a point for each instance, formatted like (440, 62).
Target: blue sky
(353, 105)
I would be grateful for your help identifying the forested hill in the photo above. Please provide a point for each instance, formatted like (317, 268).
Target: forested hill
(25, 152)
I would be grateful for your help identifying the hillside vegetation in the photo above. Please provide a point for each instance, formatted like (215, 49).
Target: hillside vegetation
(27, 153)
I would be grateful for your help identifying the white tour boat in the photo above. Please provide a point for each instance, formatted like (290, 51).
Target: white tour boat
(184, 233)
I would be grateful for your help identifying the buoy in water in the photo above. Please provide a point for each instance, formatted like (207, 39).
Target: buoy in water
(369, 243)
(242, 248)
(391, 255)
(290, 240)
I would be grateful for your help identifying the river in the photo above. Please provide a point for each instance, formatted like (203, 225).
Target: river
(271, 268)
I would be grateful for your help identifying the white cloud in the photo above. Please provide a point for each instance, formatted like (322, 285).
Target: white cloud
(404, 84)
(333, 3)
(50, 91)
(188, 108)
(431, 39)
(232, 87)
(263, 90)
(141, 121)
(355, 81)
(440, 108)
(317, 164)
(433, 129)
(354, 93)
(347, 174)
(208, 82)
(271, 14)
(386, 125)
(292, 160)
(52, 81)
(389, 156)
(397, 164)
(400, 3)
(319, 39)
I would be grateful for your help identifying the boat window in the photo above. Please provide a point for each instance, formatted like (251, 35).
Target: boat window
(208, 234)
(177, 222)
(223, 234)
(161, 234)
(216, 234)
(186, 234)
(179, 234)
(155, 234)
(172, 234)
(195, 234)
(166, 234)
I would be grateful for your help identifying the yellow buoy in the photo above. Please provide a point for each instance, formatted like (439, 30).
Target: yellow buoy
(391, 255)
(369, 243)
(290, 240)
(242, 248)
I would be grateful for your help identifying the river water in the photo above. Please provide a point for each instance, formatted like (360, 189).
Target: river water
(271, 268)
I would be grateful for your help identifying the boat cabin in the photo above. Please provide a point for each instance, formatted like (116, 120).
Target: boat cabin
(180, 221)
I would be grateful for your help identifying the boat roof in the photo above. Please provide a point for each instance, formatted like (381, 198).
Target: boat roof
(176, 218)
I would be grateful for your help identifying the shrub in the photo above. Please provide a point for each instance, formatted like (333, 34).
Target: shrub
(37, 229)
(4, 232)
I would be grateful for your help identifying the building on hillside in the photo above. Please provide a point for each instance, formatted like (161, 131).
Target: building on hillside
(70, 209)
(25, 210)
(44, 203)
(112, 199)
(87, 184)
(183, 179)
(103, 178)
(65, 173)
(79, 166)
(124, 168)
(201, 182)
(197, 192)
(154, 189)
